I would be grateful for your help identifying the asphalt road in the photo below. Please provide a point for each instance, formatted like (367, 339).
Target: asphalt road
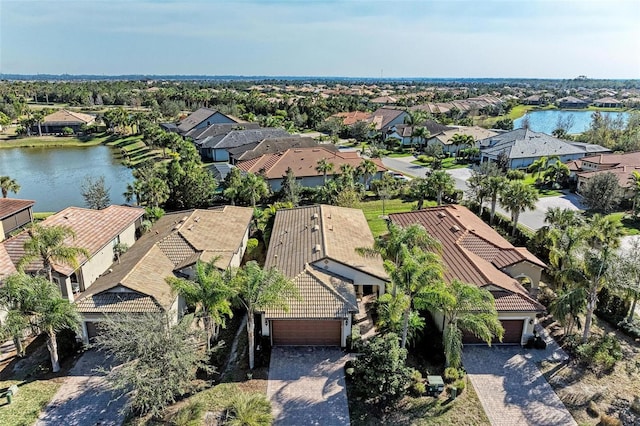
(532, 219)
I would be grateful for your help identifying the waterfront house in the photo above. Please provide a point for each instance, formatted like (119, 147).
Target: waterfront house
(14, 214)
(56, 121)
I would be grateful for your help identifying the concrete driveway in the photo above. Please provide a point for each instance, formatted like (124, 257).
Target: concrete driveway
(307, 386)
(510, 387)
(85, 398)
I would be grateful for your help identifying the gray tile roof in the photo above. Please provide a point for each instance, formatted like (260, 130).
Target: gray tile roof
(218, 129)
(322, 296)
(197, 117)
(236, 138)
(118, 302)
(525, 143)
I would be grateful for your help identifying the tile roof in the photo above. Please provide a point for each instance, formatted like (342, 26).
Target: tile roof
(177, 240)
(115, 302)
(94, 229)
(197, 117)
(614, 160)
(303, 162)
(309, 234)
(525, 143)
(622, 173)
(507, 301)
(11, 206)
(476, 132)
(63, 116)
(322, 296)
(274, 145)
(383, 116)
(236, 138)
(218, 129)
(6, 265)
(472, 251)
(349, 118)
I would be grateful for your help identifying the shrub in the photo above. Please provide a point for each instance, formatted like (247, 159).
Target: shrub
(67, 131)
(602, 353)
(249, 409)
(354, 341)
(516, 175)
(606, 420)
(153, 213)
(451, 374)
(189, 415)
(631, 329)
(418, 388)
(460, 385)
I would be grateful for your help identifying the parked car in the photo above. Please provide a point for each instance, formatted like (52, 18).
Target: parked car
(398, 175)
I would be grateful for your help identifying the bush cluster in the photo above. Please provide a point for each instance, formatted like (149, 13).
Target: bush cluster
(602, 353)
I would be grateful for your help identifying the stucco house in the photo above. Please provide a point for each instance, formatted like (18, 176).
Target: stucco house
(172, 247)
(524, 146)
(444, 138)
(475, 253)
(56, 121)
(404, 132)
(621, 165)
(14, 214)
(216, 148)
(315, 246)
(384, 118)
(97, 231)
(303, 162)
(572, 102)
(274, 145)
(203, 117)
(607, 102)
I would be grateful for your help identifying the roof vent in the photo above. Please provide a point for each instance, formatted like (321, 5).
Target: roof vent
(316, 248)
(455, 228)
(441, 215)
(316, 227)
(184, 219)
(314, 216)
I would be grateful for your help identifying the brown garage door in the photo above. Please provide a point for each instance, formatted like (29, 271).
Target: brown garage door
(306, 332)
(512, 333)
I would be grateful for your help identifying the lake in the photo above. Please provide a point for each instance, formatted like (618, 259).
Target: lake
(53, 176)
(546, 121)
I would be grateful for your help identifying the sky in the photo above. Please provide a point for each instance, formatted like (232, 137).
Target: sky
(349, 38)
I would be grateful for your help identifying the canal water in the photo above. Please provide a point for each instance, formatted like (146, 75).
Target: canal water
(53, 177)
(547, 121)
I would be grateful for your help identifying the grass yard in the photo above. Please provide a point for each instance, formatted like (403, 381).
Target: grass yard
(447, 164)
(630, 224)
(52, 141)
(32, 397)
(373, 212)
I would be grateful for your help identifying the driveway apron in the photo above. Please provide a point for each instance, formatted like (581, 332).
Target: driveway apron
(84, 399)
(511, 388)
(307, 386)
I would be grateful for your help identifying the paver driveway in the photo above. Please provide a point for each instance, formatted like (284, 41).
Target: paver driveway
(84, 399)
(510, 387)
(307, 386)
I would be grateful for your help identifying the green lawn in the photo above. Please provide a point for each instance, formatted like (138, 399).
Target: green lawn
(32, 397)
(373, 212)
(631, 225)
(447, 164)
(399, 154)
(51, 141)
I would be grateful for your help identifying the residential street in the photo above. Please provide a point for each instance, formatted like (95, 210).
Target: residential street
(531, 219)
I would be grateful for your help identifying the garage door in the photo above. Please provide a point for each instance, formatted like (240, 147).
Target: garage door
(512, 333)
(306, 333)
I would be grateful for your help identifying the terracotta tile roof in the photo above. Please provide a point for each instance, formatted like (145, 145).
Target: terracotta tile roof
(322, 296)
(63, 116)
(6, 265)
(94, 229)
(506, 301)
(622, 173)
(11, 206)
(472, 251)
(303, 162)
(604, 161)
(309, 234)
(176, 240)
(118, 302)
(349, 118)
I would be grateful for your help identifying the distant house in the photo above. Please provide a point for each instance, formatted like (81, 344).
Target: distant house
(315, 246)
(444, 138)
(204, 117)
(475, 253)
(524, 146)
(97, 231)
(621, 165)
(403, 132)
(303, 163)
(534, 100)
(173, 246)
(386, 100)
(384, 118)
(607, 102)
(272, 146)
(55, 122)
(571, 102)
(216, 148)
(351, 118)
(14, 214)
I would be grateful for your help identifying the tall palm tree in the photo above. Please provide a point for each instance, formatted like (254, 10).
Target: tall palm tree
(254, 188)
(8, 185)
(556, 172)
(15, 294)
(493, 186)
(49, 244)
(516, 197)
(634, 181)
(441, 182)
(232, 185)
(210, 293)
(367, 168)
(538, 166)
(155, 191)
(422, 133)
(38, 116)
(258, 289)
(466, 307)
(459, 140)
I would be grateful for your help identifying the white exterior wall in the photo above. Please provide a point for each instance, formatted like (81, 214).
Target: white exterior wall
(236, 259)
(358, 277)
(346, 331)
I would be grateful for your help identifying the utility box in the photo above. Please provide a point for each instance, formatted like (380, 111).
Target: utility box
(435, 385)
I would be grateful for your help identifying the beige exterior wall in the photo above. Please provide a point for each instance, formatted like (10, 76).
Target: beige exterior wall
(358, 277)
(236, 259)
(525, 269)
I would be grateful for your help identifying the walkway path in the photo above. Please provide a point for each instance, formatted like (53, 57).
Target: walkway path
(510, 387)
(85, 398)
(307, 386)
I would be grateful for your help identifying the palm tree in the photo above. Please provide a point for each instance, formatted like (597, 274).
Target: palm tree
(15, 294)
(441, 182)
(48, 243)
(466, 307)
(625, 275)
(422, 133)
(210, 293)
(493, 187)
(634, 181)
(458, 140)
(258, 289)
(416, 272)
(232, 185)
(538, 166)
(367, 168)
(155, 191)
(556, 172)
(253, 188)
(8, 185)
(38, 116)
(516, 197)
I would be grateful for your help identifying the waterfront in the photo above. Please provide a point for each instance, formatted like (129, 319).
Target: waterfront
(53, 176)
(547, 121)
